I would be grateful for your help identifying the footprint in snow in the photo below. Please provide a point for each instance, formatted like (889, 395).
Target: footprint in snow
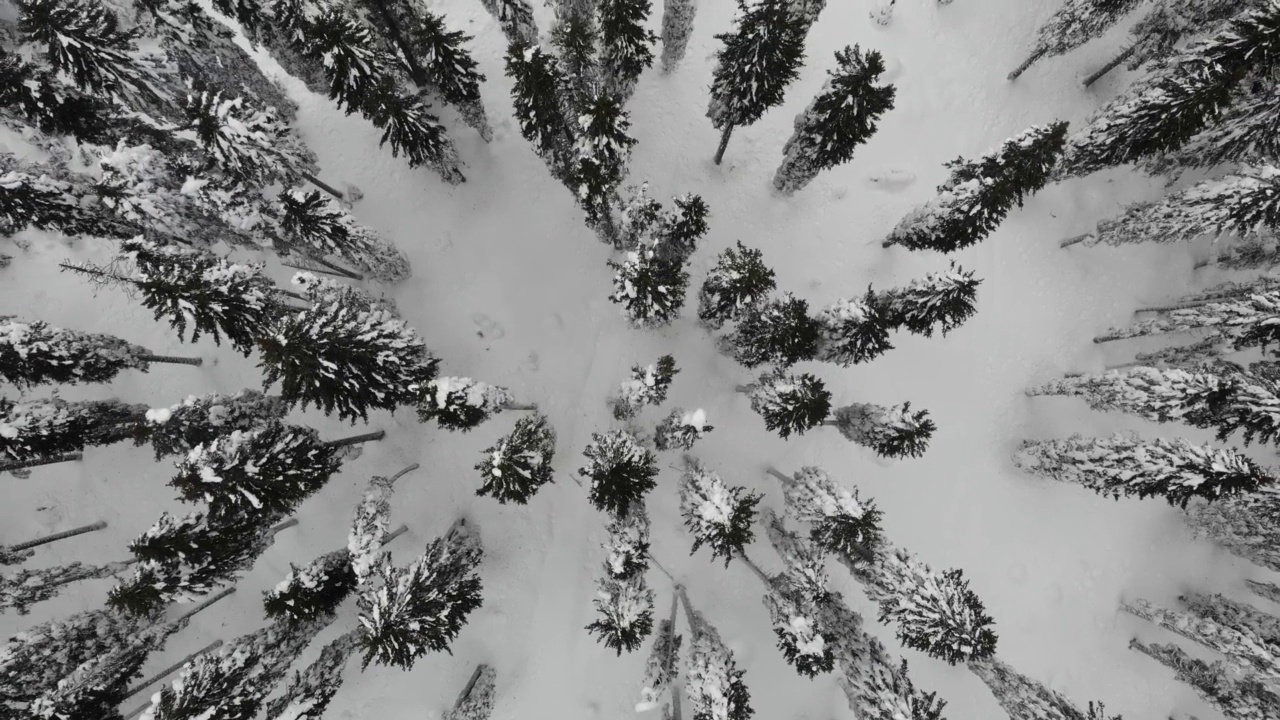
(892, 181)
(487, 327)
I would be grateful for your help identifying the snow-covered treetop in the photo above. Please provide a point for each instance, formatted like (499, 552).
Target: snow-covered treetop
(840, 522)
(520, 463)
(647, 385)
(713, 681)
(369, 527)
(199, 420)
(649, 287)
(853, 331)
(790, 403)
(625, 609)
(719, 516)
(627, 546)
(892, 432)
(460, 403)
(778, 331)
(247, 142)
(620, 469)
(681, 429)
(756, 62)
(739, 280)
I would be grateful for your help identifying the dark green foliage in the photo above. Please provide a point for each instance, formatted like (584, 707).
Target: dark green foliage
(448, 65)
(37, 353)
(853, 331)
(626, 46)
(602, 150)
(626, 613)
(81, 38)
(412, 131)
(790, 403)
(574, 37)
(202, 420)
(737, 282)
(941, 301)
(621, 471)
(519, 464)
(777, 331)
(355, 66)
(678, 235)
(39, 429)
(537, 78)
(757, 62)
(314, 591)
(460, 403)
(649, 286)
(35, 93)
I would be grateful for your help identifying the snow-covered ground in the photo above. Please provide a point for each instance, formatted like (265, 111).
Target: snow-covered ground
(510, 287)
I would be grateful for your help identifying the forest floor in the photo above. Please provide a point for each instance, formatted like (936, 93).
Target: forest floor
(511, 288)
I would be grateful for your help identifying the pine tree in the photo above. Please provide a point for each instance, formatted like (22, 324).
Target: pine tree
(677, 26)
(628, 543)
(681, 429)
(369, 527)
(36, 430)
(248, 143)
(421, 608)
(851, 332)
(83, 40)
(790, 403)
(1243, 321)
(412, 131)
(346, 353)
(800, 636)
(1248, 652)
(979, 194)
(317, 226)
(713, 681)
(33, 661)
(1159, 32)
(1120, 465)
(624, 44)
(536, 78)
(1241, 134)
(23, 588)
(1020, 696)
(267, 470)
(308, 694)
(460, 403)
(1243, 525)
(575, 37)
(1242, 204)
(778, 331)
(202, 420)
(661, 669)
(1237, 699)
(841, 117)
(213, 295)
(1224, 611)
(448, 67)
(755, 66)
(805, 574)
(718, 516)
(891, 432)
(1189, 93)
(37, 353)
(649, 286)
(940, 300)
(32, 90)
(601, 152)
(737, 282)
(676, 236)
(625, 607)
(647, 385)
(621, 471)
(516, 19)
(31, 197)
(839, 521)
(519, 464)
(312, 591)
(1075, 24)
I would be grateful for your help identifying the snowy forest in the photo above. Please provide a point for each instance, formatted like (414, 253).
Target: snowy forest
(593, 359)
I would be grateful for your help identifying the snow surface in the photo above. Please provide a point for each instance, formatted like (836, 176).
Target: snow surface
(510, 287)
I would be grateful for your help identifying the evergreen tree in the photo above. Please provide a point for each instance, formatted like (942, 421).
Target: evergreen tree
(719, 516)
(841, 117)
(33, 661)
(851, 332)
(421, 608)
(677, 26)
(201, 420)
(23, 588)
(369, 527)
(940, 300)
(713, 681)
(979, 194)
(1237, 699)
(737, 282)
(1248, 651)
(575, 36)
(624, 44)
(270, 469)
(839, 521)
(516, 19)
(649, 286)
(1176, 469)
(1243, 525)
(1241, 134)
(30, 197)
(317, 226)
(621, 471)
(1158, 33)
(34, 430)
(412, 131)
(536, 79)
(249, 144)
(308, 694)
(790, 403)
(628, 543)
(601, 152)
(1020, 696)
(476, 700)
(1167, 109)
(519, 464)
(647, 385)
(215, 296)
(625, 607)
(1243, 321)
(805, 574)
(661, 669)
(681, 429)
(32, 90)
(346, 353)
(778, 331)
(460, 403)
(755, 66)
(83, 40)
(891, 432)
(800, 637)
(676, 236)
(1075, 24)
(448, 67)
(37, 353)
(312, 591)
(1242, 204)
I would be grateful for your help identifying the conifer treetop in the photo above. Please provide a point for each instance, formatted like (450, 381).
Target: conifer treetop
(718, 515)
(620, 469)
(756, 63)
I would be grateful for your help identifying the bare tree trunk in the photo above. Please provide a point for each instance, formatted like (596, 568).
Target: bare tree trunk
(1026, 64)
(173, 360)
(724, 143)
(403, 472)
(395, 534)
(1109, 338)
(171, 669)
(54, 537)
(768, 582)
(466, 689)
(336, 270)
(519, 406)
(778, 474)
(356, 439)
(284, 525)
(742, 388)
(1121, 366)
(889, 242)
(206, 603)
(1115, 62)
(1075, 240)
(19, 464)
(322, 185)
(664, 570)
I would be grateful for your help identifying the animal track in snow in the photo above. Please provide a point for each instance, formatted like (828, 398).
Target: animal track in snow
(487, 327)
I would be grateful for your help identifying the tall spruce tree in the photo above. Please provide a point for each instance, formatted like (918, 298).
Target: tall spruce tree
(718, 515)
(1020, 696)
(941, 301)
(777, 331)
(839, 522)
(1073, 25)
(1239, 632)
(36, 659)
(37, 353)
(1176, 470)
(851, 332)
(713, 680)
(516, 19)
(25, 587)
(83, 39)
(677, 26)
(979, 194)
(890, 432)
(624, 44)
(1236, 699)
(45, 430)
(460, 403)
(601, 152)
(759, 59)
(317, 226)
(536, 78)
(1159, 32)
(308, 693)
(201, 420)
(448, 67)
(737, 282)
(646, 385)
(649, 286)
(515, 468)
(1243, 321)
(620, 469)
(248, 143)
(625, 607)
(840, 118)
(790, 404)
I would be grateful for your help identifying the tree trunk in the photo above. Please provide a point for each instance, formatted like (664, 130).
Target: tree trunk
(395, 534)
(688, 608)
(285, 525)
(292, 294)
(1115, 62)
(1026, 64)
(173, 360)
(466, 689)
(742, 388)
(1075, 240)
(658, 565)
(337, 270)
(724, 143)
(55, 537)
(1109, 338)
(888, 242)
(1121, 366)
(519, 406)
(322, 185)
(402, 473)
(755, 569)
(18, 465)
(212, 599)
(778, 474)
(415, 70)
(357, 439)
(171, 669)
